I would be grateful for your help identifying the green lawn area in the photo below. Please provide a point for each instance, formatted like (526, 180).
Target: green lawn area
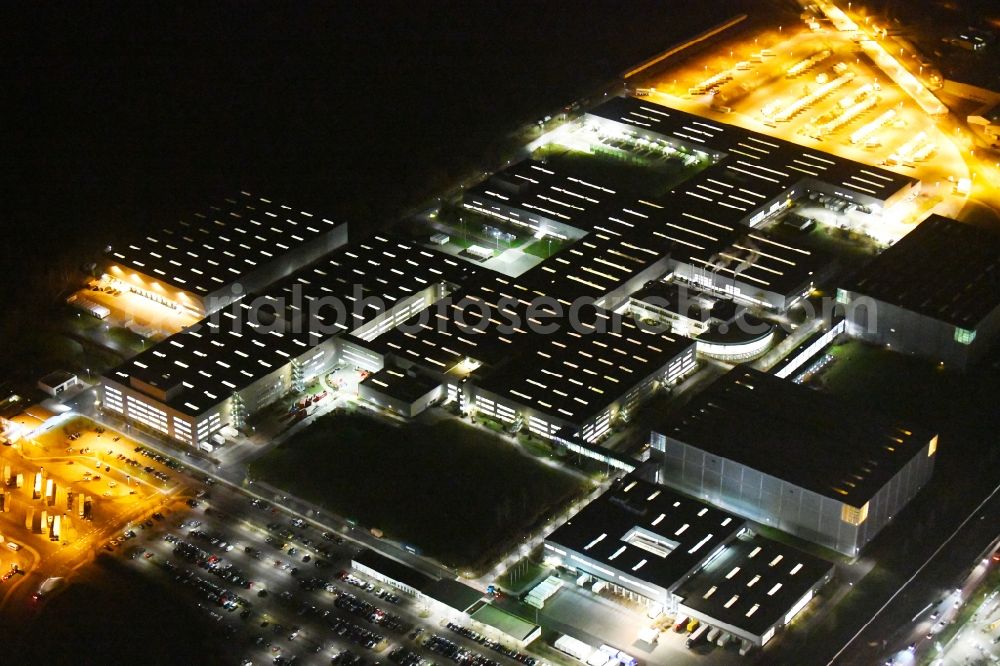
(546, 248)
(961, 407)
(454, 491)
(126, 338)
(900, 381)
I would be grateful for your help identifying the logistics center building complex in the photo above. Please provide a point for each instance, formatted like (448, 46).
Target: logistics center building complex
(242, 358)
(571, 383)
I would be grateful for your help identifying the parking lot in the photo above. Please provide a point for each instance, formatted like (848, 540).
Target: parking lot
(818, 88)
(278, 589)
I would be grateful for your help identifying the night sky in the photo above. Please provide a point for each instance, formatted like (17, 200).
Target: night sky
(125, 121)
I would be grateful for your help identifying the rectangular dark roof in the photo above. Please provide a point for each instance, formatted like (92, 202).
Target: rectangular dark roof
(762, 164)
(542, 189)
(577, 371)
(797, 434)
(216, 247)
(398, 384)
(753, 584)
(453, 594)
(647, 532)
(57, 378)
(943, 269)
(393, 570)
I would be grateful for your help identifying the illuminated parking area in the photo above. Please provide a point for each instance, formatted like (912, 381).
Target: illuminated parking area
(819, 87)
(69, 487)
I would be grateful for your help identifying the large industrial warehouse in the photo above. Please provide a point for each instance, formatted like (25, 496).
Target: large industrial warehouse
(793, 458)
(753, 173)
(368, 305)
(245, 356)
(677, 554)
(755, 587)
(935, 293)
(584, 378)
(247, 241)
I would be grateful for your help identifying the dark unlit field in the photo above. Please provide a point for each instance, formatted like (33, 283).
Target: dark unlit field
(457, 493)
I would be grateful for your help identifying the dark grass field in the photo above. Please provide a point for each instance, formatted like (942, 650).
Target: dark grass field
(112, 614)
(458, 493)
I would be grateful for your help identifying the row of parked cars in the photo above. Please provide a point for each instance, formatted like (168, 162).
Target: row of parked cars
(443, 646)
(153, 455)
(372, 613)
(132, 462)
(356, 634)
(492, 644)
(404, 657)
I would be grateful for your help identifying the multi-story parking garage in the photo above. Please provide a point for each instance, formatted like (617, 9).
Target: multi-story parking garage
(788, 456)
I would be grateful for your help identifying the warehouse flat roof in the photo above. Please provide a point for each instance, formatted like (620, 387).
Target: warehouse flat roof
(516, 627)
(398, 384)
(454, 594)
(216, 247)
(210, 361)
(648, 534)
(577, 371)
(235, 347)
(447, 338)
(753, 584)
(367, 278)
(797, 434)
(680, 299)
(762, 262)
(393, 569)
(755, 160)
(594, 266)
(542, 189)
(943, 269)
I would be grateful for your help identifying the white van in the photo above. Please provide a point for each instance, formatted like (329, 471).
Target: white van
(13, 546)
